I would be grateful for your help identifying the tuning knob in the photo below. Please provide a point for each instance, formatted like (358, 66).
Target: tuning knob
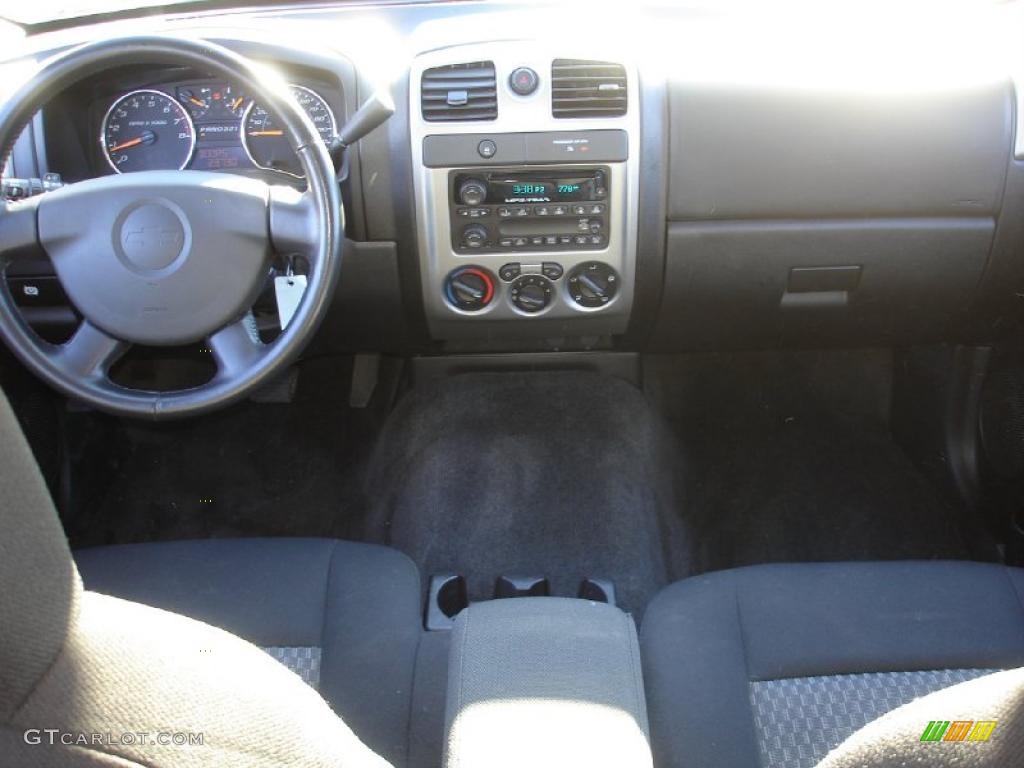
(474, 236)
(593, 284)
(531, 293)
(470, 288)
(472, 192)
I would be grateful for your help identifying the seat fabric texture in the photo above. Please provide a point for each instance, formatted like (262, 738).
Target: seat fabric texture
(344, 616)
(92, 680)
(777, 665)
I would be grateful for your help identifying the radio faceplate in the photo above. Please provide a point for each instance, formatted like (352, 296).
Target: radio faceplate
(510, 210)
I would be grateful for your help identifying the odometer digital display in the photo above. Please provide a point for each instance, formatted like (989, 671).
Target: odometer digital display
(147, 130)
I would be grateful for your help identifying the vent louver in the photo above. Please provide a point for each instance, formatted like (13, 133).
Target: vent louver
(582, 88)
(459, 92)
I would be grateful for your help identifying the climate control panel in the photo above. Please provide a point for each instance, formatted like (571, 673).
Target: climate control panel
(532, 289)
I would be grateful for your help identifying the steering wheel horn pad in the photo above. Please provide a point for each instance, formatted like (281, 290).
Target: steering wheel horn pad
(159, 257)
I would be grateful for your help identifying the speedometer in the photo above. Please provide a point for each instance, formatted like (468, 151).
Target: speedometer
(147, 130)
(264, 139)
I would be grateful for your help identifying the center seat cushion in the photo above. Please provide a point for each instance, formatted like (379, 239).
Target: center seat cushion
(775, 665)
(344, 616)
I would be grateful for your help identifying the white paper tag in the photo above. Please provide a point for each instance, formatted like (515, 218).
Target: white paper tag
(288, 291)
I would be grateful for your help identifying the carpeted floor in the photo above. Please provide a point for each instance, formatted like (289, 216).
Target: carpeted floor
(549, 474)
(255, 469)
(789, 458)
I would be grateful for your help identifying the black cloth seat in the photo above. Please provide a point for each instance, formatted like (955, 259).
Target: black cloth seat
(344, 616)
(775, 665)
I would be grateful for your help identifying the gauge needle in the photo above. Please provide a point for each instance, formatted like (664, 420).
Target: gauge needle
(197, 102)
(126, 145)
(148, 137)
(267, 133)
(235, 104)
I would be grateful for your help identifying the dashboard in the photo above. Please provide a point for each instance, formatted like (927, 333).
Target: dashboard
(652, 183)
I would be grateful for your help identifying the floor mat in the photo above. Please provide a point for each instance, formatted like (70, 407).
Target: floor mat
(554, 474)
(254, 469)
(789, 458)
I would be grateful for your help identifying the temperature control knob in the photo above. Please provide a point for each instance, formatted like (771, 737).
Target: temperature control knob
(469, 288)
(531, 293)
(472, 192)
(474, 236)
(593, 284)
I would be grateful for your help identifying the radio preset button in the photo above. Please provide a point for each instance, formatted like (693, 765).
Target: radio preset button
(504, 213)
(522, 210)
(519, 242)
(579, 210)
(550, 239)
(596, 209)
(565, 240)
(558, 210)
(538, 240)
(542, 210)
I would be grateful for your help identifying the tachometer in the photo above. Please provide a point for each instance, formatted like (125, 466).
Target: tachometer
(263, 137)
(147, 130)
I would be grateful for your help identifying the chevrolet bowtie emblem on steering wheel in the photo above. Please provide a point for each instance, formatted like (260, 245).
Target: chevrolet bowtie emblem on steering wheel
(156, 237)
(152, 235)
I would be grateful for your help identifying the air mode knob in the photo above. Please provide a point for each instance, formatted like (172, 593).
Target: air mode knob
(531, 293)
(593, 284)
(472, 192)
(469, 288)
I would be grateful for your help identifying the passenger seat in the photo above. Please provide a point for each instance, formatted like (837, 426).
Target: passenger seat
(776, 665)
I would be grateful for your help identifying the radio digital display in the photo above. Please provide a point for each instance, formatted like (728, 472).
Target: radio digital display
(538, 190)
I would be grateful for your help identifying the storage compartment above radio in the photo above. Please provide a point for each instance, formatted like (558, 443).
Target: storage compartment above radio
(507, 210)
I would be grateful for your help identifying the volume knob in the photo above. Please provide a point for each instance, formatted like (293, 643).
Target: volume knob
(472, 192)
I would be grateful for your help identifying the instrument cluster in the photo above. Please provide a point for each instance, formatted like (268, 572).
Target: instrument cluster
(203, 125)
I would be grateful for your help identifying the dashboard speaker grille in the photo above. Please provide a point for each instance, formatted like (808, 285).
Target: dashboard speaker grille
(459, 92)
(581, 88)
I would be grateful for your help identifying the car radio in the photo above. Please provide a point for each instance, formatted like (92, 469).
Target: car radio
(505, 210)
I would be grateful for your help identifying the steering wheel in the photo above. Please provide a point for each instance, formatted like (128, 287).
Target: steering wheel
(166, 258)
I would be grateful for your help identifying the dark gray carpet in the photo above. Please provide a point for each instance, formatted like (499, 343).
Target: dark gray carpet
(790, 458)
(554, 474)
(254, 469)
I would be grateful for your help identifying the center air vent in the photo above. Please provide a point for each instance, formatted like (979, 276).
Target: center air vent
(460, 92)
(587, 88)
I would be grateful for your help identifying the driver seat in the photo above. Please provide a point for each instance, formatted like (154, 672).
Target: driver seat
(93, 680)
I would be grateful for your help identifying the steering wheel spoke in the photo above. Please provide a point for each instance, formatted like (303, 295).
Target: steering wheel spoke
(89, 353)
(294, 222)
(19, 230)
(237, 347)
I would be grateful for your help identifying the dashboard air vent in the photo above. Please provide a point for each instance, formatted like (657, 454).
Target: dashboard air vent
(459, 92)
(587, 88)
